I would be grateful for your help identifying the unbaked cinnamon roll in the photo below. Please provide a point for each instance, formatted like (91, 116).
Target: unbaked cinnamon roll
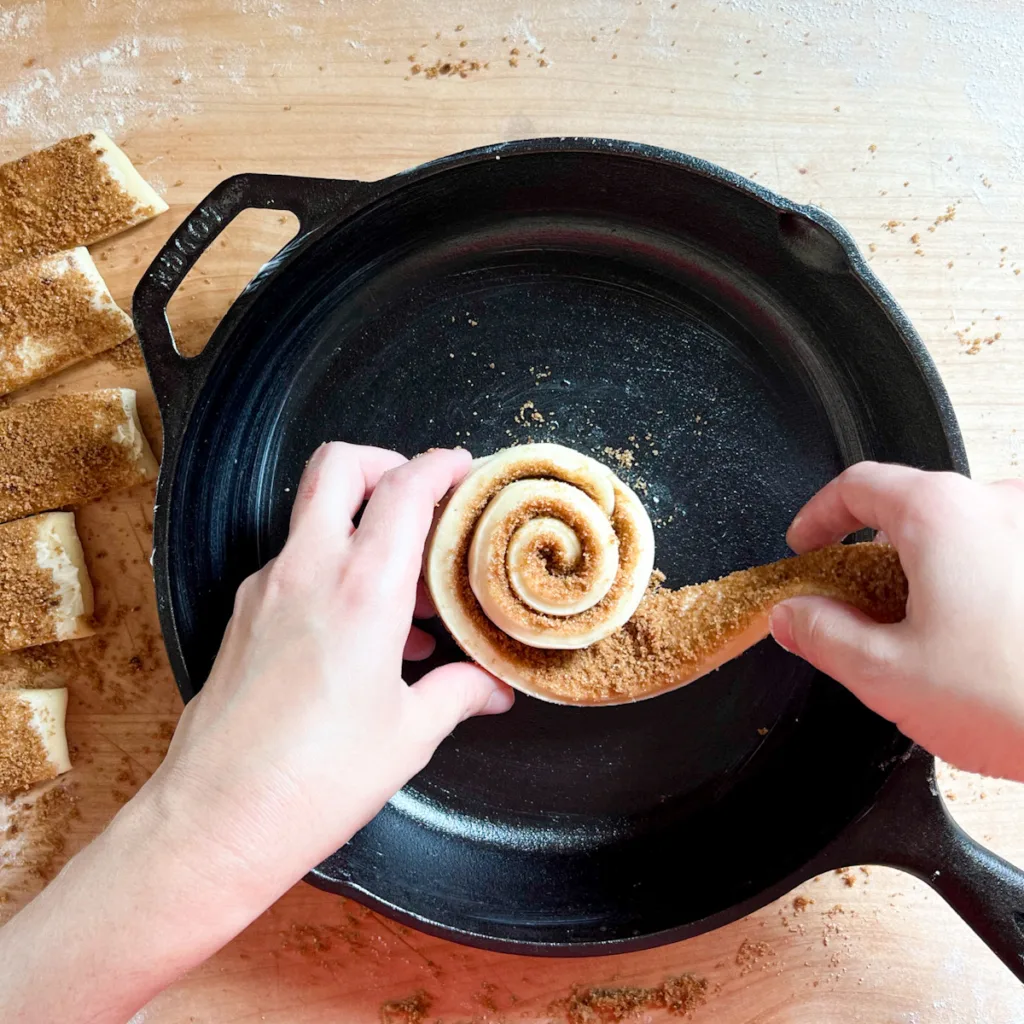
(540, 565)
(541, 545)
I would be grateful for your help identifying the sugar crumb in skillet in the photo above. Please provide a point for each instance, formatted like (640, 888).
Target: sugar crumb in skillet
(623, 456)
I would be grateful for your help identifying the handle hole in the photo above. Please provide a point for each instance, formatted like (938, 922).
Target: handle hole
(220, 275)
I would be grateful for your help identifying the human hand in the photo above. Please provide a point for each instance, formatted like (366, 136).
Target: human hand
(305, 728)
(951, 675)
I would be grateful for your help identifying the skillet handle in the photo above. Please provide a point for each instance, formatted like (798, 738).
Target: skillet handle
(176, 378)
(909, 828)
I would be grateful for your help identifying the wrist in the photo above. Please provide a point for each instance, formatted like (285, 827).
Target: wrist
(188, 835)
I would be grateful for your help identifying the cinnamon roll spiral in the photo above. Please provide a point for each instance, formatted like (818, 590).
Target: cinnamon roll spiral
(540, 545)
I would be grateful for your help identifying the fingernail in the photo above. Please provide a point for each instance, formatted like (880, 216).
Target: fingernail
(318, 456)
(500, 700)
(780, 622)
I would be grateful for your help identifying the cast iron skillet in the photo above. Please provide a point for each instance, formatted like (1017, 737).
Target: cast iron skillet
(629, 293)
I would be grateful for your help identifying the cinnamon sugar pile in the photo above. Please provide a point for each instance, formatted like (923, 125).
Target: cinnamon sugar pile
(28, 596)
(678, 996)
(49, 304)
(23, 757)
(675, 633)
(63, 451)
(61, 197)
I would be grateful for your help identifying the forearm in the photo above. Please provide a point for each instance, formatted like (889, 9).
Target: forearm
(133, 911)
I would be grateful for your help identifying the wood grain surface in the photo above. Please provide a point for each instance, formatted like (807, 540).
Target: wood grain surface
(902, 119)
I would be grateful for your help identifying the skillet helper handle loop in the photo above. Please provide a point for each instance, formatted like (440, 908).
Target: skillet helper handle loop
(175, 377)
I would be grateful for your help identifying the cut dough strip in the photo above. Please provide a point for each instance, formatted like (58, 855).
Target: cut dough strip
(33, 743)
(677, 636)
(77, 192)
(54, 311)
(69, 449)
(45, 590)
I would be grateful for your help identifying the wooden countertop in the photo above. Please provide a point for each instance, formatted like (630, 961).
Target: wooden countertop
(902, 119)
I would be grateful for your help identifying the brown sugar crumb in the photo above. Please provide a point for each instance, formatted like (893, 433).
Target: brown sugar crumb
(915, 239)
(623, 456)
(678, 996)
(54, 311)
(528, 413)
(412, 1010)
(973, 343)
(127, 355)
(69, 449)
(449, 68)
(57, 198)
(754, 955)
(23, 757)
(946, 217)
(892, 225)
(801, 903)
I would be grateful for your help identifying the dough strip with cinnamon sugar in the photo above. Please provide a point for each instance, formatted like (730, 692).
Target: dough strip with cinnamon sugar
(76, 192)
(677, 636)
(45, 590)
(69, 449)
(54, 311)
(33, 743)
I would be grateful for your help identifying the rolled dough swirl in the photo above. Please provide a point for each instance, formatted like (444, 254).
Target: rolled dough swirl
(519, 564)
(545, 544)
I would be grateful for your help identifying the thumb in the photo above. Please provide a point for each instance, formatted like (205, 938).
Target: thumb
(838, 640)
(452, 693)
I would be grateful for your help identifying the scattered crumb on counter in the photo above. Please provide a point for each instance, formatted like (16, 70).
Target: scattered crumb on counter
(679, 996)
(411, 1010)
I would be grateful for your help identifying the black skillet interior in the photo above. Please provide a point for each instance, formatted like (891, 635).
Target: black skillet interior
(605, 297)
